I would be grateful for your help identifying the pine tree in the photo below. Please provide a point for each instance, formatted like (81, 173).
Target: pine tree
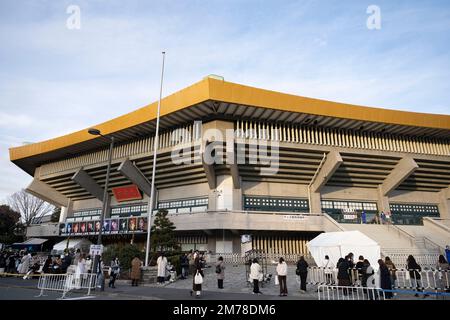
(10, 225)
(163, 233)
(55, 215)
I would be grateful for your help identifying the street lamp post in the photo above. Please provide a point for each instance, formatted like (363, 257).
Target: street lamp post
(155, 149)
(97, 132)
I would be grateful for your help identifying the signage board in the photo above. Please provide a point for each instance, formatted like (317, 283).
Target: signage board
(127, 193)
(96, 249)
(246, 238)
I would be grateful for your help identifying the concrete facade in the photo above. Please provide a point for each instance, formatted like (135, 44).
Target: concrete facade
(277, 158)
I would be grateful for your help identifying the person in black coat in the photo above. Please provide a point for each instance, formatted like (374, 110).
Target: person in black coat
(385, 278)
(66, 262)
(198, 268)
(47, 265)
(302, 267)
(12, 264)
(343, 275)
(184, 262)
(414, 272)
(359, 266)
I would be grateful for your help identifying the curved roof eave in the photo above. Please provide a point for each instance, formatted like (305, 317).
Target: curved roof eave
(218, 90)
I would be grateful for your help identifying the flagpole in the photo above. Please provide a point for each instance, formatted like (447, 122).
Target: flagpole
(155, 148)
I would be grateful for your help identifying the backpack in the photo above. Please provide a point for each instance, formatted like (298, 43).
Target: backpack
(218, 269)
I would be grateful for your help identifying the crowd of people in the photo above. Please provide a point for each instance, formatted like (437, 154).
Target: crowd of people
(366, 274)
(193, 264)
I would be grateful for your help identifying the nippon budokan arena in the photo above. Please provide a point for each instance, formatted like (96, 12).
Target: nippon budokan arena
(240, 168)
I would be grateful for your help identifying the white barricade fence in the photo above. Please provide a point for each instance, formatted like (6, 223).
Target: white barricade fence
(326, 292)
(237, 258)
(321, 276)
(424, 260)
(425, 279)
(438, 280)
(67, 282)
(54, 282)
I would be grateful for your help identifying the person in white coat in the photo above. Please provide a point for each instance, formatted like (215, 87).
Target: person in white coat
(88, 264)
(328, 267)
(25, 264)
(80, 269)
(282, 273)
(162, 265)
(256, 275)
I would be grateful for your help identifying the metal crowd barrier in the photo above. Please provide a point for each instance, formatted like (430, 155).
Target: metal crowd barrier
(423, 280)
(236, 258)
(424, 260)
(438, 280)
(326, 292)
(66, 282)
(322, 276)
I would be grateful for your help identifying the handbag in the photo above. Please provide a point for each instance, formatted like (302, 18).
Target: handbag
(276, 280)
(260, 276)
(198, 279)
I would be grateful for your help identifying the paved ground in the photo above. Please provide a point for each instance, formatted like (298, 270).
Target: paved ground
(235, 288)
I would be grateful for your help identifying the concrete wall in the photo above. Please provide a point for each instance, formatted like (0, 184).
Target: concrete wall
(194, 190)
(274, 189)
(343, 193)
(243, 221)
(414, 197)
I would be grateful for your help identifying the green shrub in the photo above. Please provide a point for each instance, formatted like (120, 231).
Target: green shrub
(124, 252)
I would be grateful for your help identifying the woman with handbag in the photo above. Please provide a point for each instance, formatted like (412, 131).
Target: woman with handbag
(197, 280)
(256, 276)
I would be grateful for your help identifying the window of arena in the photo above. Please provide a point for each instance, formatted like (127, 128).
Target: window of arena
(264, 203)
(412, 213)
(187, 205)
(349, 211)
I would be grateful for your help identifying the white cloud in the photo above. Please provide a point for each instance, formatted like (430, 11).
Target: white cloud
(55, 81)
(13, 120)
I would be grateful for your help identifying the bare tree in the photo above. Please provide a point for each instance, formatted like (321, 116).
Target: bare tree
(31, 208)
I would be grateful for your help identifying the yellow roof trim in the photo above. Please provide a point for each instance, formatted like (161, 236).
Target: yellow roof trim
(212, 89)
(191, 95)
(240, 94)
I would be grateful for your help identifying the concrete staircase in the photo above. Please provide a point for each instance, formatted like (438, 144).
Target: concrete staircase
(398, 242)
(386, 235)
(433, 235)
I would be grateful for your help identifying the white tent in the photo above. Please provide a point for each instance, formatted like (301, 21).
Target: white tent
(338, 244)
(77, 243)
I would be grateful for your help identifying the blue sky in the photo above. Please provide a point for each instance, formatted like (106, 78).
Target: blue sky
(54, 80)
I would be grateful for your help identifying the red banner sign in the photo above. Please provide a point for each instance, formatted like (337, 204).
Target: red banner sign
(127, 193)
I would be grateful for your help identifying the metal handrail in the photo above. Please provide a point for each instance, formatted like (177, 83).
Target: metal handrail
(439, 225)
(325, 215)
(400, 231)
(434, 244)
